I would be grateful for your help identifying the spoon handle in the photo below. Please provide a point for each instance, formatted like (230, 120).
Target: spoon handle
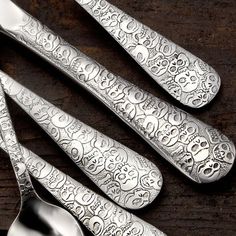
(99, 215)
(194, 148)
(12, 148)
(183, 75)
(116, 169)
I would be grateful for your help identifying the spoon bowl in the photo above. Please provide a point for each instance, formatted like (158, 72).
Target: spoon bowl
(39, 218)
(36, 217)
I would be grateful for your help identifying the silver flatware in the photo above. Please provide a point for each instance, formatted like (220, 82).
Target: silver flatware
(183, 75)
(126, 177)
(36, 217)
(100, 216)
(199, 151)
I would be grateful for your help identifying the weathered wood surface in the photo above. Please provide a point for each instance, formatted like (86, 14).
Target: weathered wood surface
(206, 28)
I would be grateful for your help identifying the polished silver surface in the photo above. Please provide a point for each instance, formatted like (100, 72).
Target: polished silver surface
(199, 151)
(11, 21)
(183, 75)
(36, 217)
(126, 177)
(100, 216)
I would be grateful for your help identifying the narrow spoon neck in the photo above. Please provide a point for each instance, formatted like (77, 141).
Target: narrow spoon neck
(25, 187)
(27, 195)
(13, 149)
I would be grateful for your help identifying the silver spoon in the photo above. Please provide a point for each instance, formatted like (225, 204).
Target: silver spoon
(36, 217)
(100, 216)
(183, 75)
(198, 150)
(117, 170)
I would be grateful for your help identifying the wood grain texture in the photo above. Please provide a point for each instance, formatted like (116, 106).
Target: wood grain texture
(204, 27)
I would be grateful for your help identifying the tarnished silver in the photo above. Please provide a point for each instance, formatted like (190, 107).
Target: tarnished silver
(199, 151)
(36, 217)
(126, 177)
(100, 216)
(183, 75)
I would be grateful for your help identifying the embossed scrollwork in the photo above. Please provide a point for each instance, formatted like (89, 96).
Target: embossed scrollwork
(99, 215)
(193, 82)
(112, 166)
(184, 141)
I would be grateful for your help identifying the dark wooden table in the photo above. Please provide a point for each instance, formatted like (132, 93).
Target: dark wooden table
(206, 28)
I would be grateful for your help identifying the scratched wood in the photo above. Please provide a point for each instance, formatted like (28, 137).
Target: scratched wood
(206, 28)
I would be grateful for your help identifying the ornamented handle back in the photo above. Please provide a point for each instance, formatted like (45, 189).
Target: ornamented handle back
(199, 151)
(9, 140)
(126, 177)
(183, 75)
(100, 216)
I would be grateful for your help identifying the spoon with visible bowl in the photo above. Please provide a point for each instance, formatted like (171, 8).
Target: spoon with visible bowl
(36, 217)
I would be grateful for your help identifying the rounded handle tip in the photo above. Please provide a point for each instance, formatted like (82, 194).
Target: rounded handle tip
(219, 164)
(199, 86)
